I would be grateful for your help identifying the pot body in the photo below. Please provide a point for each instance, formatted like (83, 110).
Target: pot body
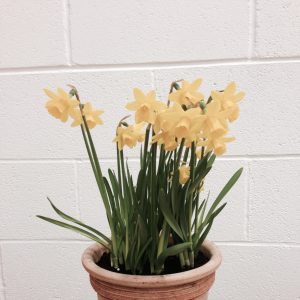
(189, 285)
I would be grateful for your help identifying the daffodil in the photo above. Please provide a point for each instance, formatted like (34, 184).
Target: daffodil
(145, 106)
(184, 174)
(168, 140)
(129, 136)
(166, 120)
(229, 100)
(183, 124)
(217, 143)
(215, 119)
(188, 94)
(189, 124)
(91, 116)
(60, 104)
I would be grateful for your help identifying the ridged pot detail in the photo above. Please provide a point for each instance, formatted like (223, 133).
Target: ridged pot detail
(187, 285)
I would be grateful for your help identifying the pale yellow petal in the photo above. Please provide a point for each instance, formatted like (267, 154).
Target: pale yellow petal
(184, 174)
(50, 94)
(185, 84)
(239, 96)
(175, 96)
(87, 108)
(138, 94)
(231, 87)
(196, 84)
(151, 95)
(213, 108)
(132, 105)
(64, 116)
(62, 93)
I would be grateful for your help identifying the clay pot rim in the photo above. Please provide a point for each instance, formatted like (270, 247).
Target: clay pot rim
(95, 251)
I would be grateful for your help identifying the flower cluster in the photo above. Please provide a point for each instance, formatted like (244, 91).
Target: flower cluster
(62, 105)
(190, 117)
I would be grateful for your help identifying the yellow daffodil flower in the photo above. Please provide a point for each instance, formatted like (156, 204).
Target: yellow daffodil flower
(165, 121)
(189, 124)
(184, 174)
(180, 123)
(60, 105)
(229, 100)
(129, 136)
(188, 94)
(165, 138)
(215, 121)
(145, 106)
(217, 143)
(91, 116)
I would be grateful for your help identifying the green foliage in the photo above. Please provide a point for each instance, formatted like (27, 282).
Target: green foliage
(156, 216)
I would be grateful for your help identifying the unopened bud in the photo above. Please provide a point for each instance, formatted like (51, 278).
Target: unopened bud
(202, 104)
(72, 92)
(176, 86)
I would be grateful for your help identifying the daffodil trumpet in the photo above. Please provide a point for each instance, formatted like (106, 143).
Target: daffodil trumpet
(179, 140)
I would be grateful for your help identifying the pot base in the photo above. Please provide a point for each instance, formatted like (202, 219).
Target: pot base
(203, 297)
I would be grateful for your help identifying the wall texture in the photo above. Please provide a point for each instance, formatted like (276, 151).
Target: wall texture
(106, 48)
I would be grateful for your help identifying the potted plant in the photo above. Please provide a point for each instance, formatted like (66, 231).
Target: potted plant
(159, 222)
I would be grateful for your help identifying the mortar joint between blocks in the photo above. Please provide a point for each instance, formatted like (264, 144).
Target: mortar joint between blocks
(252, 29)
(2, 279)
(247, 199)
(147, 65)
(67, 32)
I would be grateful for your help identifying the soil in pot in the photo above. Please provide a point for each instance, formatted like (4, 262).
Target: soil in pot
(172, 264)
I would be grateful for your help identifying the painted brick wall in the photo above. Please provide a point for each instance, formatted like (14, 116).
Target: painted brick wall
(106, 48)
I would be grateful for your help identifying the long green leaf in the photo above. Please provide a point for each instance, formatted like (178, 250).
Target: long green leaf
(71, 219)
(198, 180)
(211, 160)
(224, 191)
(174, 191)
(209, 225)
(203, 236)
(142, 251)
(168, 215)
(76, 229)
(173, 250)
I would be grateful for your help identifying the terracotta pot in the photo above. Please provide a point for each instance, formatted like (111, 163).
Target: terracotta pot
(192, 284)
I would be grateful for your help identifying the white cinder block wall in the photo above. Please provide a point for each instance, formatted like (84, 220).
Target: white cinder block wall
(106, 48)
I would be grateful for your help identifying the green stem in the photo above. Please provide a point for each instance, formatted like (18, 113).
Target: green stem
(182, 261)
(191, 258)
(119, 170)
(186, 258)
(180, 152)
(97, 172)
(202, 151)
(162, 238)
(190, 200)
(124, 180)
(146, 143)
